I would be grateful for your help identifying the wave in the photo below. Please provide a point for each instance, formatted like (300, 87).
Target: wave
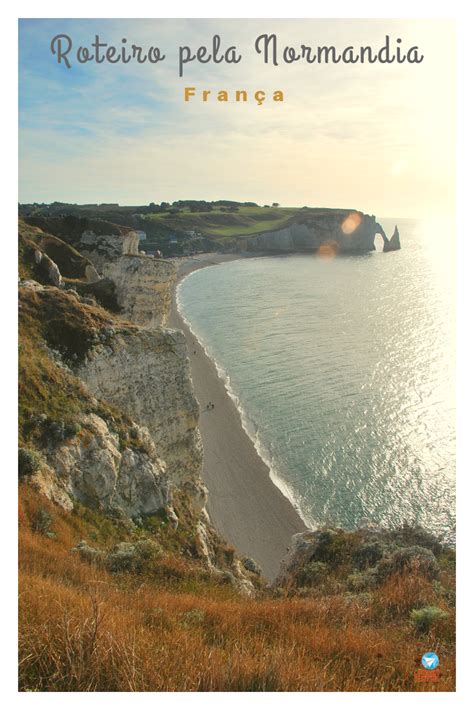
(248, 425)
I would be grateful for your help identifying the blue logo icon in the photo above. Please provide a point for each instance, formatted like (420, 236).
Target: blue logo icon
(430, 661)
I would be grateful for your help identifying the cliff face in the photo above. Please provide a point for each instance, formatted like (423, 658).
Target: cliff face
(143, 287)
(94, 469)
(146, 374)
(102, 248)
(129, 362)
(348, 230)
(142, 284)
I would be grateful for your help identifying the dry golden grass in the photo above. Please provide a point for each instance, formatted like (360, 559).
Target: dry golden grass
(84, 629)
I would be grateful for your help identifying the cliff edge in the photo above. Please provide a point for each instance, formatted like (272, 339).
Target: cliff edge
(108, 414)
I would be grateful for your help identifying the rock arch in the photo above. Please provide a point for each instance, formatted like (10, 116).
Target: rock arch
(392, 244)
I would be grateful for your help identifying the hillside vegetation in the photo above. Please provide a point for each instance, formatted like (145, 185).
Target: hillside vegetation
(166, 625)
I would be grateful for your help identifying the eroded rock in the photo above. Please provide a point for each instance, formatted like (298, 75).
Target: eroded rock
(143, 286)
(93, 468)
(146, 374)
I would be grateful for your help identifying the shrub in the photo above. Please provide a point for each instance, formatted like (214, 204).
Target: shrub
(409, 535)
(29, 462)
(148, 549)
(42, 522)
(312, 574)
(131, 557)
(423, 619)
(335, 548)
(368, 554)
(61, 430)
(409, 559)
(88, 553)
(124, 558)
(361, 581)
(193, 617)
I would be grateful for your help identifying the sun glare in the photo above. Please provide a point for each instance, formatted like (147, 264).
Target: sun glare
(351, 222)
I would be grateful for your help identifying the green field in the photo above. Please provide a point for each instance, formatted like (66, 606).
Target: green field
(248, 220)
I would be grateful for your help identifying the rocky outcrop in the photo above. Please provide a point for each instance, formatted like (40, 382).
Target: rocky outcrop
(142, 284)
(39, 246)
(47, 268)
(94, 469)
(363, 558)
(146, 374)
(347, 230)
(143, 288)
(91, 274)
(103, 291)
(392, 244)
(103, 248)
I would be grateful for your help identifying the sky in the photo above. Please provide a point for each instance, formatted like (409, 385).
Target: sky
(374, 137)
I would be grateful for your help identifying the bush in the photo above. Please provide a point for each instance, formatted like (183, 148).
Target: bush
(335, 548)
(29, 462)
(61, 430)
(312, 574)
(124, 558)
(88, 553)
(423, 619)
(410, 535)
(409, 559)
(148, 549)
(194, 617)
(361, 581)
(131, 557)
(368, 554)
(42, 522)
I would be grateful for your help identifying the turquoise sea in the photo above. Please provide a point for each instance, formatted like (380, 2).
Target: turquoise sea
(343, 371)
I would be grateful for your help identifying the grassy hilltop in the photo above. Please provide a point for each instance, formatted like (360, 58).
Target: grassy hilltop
(245, 221)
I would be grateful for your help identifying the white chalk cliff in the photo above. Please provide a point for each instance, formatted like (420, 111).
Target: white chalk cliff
(349, 230)
(141, 368)
(146, 374)
(94, 469)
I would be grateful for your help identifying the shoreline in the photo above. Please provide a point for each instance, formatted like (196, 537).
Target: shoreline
(245, 505)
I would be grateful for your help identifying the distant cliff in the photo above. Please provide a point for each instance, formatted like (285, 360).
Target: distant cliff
(190, 226)
(344, 231)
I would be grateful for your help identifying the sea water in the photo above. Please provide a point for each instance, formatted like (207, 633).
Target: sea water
(343, 371)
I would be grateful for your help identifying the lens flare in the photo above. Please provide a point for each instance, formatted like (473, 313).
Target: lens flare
(351, 222)
(328, 250)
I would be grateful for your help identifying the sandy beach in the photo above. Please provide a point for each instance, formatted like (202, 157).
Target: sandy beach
(245, 506)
